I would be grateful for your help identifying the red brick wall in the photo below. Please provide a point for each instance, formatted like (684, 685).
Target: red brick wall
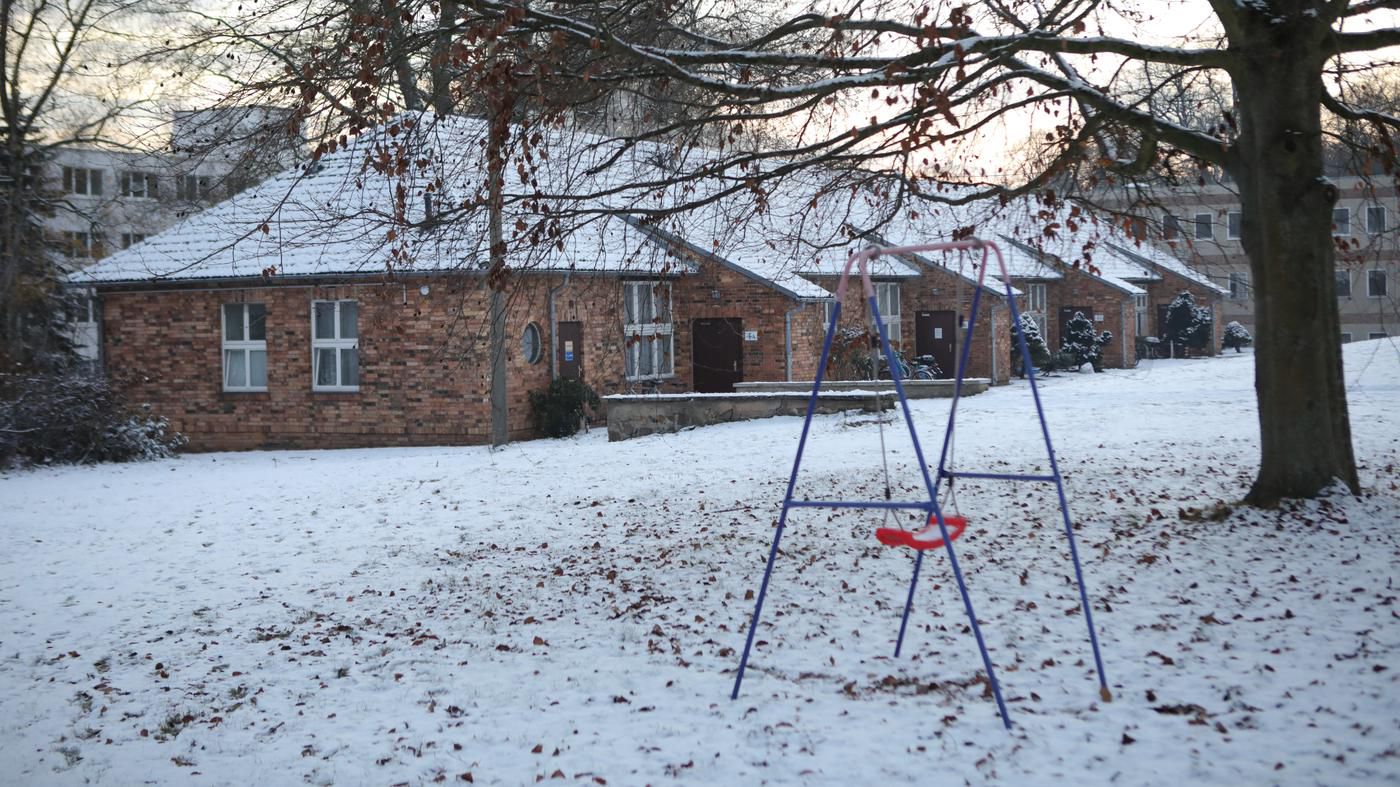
(1078, 288)
(1164, 291)
(918, 294)
(424, 359)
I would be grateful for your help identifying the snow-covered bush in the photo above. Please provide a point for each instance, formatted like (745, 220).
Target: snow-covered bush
(1035, 343)
(1080, 342)
(1236, 336)
(560, 408)
(1188, 325)
(74, 417)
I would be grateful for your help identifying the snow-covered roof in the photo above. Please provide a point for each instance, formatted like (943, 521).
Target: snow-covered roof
(366, 207)
(1152, 256)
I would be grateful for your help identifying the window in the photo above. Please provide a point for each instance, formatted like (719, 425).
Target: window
(887, 298)
(1346, 337)
(1035, 300)
(1171, 227)
(1375, 283)
(335, 343)
(1239, 286)
(1205, 226)
(530, 344)
(138, 184)
(80, 180)
(82, 244)
(1140, 308)
(191, 187)
(1343, 283)
(1374, 335)
(828, 306)
(650, 348)
(130, 239)
(1341, 221)
(1234, 223)
(1375, 219)
(245, 347)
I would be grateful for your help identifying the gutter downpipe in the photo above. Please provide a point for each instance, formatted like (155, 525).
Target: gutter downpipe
(554, 328)
(1123, 331)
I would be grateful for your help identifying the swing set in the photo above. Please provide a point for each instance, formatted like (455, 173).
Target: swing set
(939, 529)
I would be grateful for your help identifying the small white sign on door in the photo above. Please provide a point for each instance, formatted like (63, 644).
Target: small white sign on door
(750, 336)
(938, 333)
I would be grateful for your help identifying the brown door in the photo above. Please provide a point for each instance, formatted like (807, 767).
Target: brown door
(570, 350)
(935, 333)
(1067, 313)
(718, 354)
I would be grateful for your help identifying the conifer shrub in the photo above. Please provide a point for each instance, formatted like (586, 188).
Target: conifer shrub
(1236, 336)
(560, 408)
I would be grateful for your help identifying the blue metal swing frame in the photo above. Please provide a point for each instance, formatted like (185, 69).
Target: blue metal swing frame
(930, 507)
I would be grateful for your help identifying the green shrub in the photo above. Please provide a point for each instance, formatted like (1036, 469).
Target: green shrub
(559, 408)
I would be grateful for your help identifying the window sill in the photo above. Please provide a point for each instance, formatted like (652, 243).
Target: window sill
(652, 379)
(340, 390)
(245, 390)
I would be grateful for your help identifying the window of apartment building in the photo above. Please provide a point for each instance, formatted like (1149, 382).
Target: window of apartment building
(1341, 221)
(1171, 227)
(80, 180)
(1234, 224)
(1239, 286)
(81, 245)
(191, 187)
(130, 239)
(138, 184)
(1140, 308)
(245, 347)
(1205, 226)
(650, 342)
(1343, 283)
(1375, 283)
(1346, 337)
(335, 346)
(1375, 219)
(1374, 335)
(887, 298)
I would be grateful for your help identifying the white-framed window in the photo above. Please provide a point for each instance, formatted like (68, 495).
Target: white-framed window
(138, 184)
(647, 330)
(191, 187)
(1234, 224)
(335, 346)
(1035, 298)
(81, 180)
(531, 346)
(1346, 337)
(1171, 227)
(82, 245)
(1343, 283)
(1140, 308)
(1341, 221)
(1239, 285)
(1205, 226)
(1375, 283)
(130, 239)
(887, 298)
(1375, 219)
(245, 346)
(1375, 335)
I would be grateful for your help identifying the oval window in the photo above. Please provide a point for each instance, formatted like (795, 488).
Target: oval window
(530, 344)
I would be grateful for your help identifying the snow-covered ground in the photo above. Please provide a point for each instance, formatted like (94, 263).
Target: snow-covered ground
(573, 609)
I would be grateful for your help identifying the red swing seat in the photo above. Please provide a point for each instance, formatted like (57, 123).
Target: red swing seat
(928, 538)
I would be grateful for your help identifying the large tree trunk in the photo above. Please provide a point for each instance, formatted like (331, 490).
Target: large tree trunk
(1305, 435)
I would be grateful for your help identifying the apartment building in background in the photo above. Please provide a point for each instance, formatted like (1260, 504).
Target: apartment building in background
(109, 199)
(1202, 225)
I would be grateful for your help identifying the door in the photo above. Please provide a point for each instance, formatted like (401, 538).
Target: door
(1066, 314)
(935, 333)
(717, 354)
(569, 352)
